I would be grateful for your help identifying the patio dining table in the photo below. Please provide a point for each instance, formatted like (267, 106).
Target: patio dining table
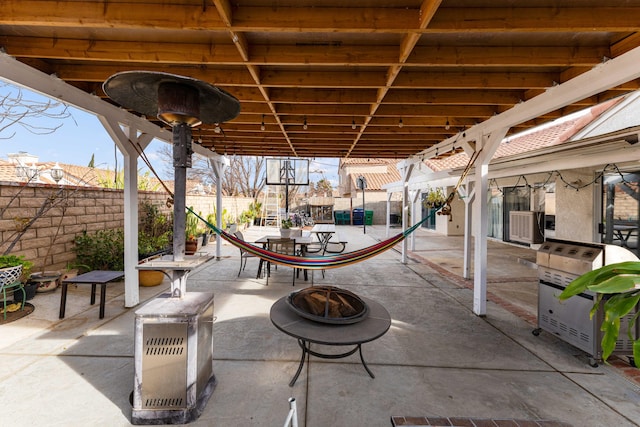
(301, 241)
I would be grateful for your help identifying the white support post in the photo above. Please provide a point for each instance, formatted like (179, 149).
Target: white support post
(406, 174)
(414, 194)
(388, 222)
(218, 165)
(468, 197)
(488, 147)
(480, 254)
(130, 154)
(131, 291)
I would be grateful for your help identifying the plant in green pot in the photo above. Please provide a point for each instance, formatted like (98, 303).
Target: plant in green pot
(14, 271)
(617, 288)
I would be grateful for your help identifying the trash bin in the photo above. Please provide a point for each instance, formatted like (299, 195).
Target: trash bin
(346, 217)
(358, 216)
(342, 217)
(368, 217)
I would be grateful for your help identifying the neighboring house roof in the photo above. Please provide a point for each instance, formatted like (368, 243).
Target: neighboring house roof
(385, 171)
(367, 162)
(82, 176)
(557, 132)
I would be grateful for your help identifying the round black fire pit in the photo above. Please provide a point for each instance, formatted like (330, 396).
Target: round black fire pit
(328, 304)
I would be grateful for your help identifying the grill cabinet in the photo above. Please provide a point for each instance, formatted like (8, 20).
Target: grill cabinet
(173, 359)
(559, 262)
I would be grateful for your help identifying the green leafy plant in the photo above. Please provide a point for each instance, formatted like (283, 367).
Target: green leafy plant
(15, 260)
(246, 217)
(435, 198)
(155, 230)
(102, 250)
(617, 288)
(211, 219)
(286, 223)
(191, 228)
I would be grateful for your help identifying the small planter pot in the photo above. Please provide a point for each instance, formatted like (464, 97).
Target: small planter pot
(69, 274)
(47, 280)
(285, 233)
(30, 290)
(149, 278)
(190, 247)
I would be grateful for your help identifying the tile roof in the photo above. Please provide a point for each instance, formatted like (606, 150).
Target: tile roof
(375, 181)
(75, 175)
(556, 133)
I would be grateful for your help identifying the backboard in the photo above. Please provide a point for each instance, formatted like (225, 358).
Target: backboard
(287, 171)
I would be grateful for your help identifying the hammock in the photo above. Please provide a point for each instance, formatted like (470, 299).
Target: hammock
(321, 262)
(315, 262)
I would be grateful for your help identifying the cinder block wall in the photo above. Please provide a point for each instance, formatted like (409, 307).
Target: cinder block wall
(48, 243)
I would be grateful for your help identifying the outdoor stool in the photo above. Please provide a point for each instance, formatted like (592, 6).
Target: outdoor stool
(93, 278)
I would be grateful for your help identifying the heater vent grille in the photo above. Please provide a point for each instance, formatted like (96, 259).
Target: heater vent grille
(164, 365)
(164, 346)
(163, 403)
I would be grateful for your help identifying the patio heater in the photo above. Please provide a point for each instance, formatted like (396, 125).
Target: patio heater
(173, 348)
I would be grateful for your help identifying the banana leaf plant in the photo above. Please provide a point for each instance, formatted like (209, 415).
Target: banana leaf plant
(617, 288)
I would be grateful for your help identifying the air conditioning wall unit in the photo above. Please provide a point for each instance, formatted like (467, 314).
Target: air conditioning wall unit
(526, 226)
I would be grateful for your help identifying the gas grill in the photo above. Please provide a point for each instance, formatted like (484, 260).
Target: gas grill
(560, 262)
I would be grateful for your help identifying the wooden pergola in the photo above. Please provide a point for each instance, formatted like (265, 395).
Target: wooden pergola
(374, 78)
(406, 79)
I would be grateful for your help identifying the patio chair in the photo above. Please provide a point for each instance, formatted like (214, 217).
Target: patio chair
(244, 255)
(284, 246)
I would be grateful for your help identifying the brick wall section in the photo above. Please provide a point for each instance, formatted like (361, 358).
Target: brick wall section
(49, 242)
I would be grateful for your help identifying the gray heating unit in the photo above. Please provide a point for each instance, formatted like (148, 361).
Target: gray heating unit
(559, 262)
(173, 359)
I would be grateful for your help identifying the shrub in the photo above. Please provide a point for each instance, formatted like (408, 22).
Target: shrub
(103, 250)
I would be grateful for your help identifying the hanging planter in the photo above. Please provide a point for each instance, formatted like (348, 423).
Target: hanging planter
(434, 199)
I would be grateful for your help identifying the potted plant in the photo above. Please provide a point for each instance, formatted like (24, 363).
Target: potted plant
(155, 231)
(435, 198)
(191, 234)
(285, 227)
(46, 281)
(617, 287)
(154, 235)
(16, 269)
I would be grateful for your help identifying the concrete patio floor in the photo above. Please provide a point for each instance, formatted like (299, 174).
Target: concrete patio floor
(437, 360)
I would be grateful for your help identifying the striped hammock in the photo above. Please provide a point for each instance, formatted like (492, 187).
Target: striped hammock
(315, 262)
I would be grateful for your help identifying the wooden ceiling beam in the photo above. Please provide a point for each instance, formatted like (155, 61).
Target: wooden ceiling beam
(170, 52)
(90, 14)
(239, 76)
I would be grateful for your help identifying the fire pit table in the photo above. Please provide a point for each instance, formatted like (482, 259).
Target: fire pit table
(372, 327)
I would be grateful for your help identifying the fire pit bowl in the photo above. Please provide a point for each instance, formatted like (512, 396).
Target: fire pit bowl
(328, 304)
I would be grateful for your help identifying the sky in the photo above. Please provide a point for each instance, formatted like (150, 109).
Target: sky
(81, 136)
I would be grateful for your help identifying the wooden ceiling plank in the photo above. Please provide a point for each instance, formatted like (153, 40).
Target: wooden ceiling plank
(506, 56)
(535, 19)
(121, 51)
(98, 14)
